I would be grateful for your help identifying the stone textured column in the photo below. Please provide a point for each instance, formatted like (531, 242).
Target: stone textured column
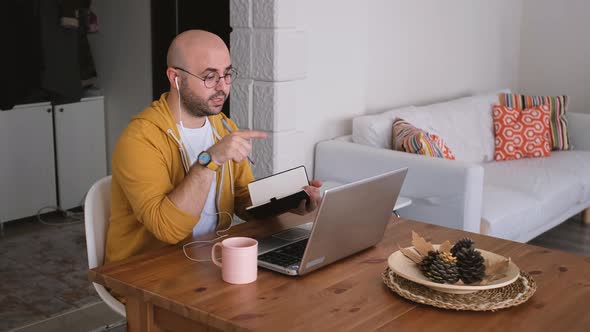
(269, 53)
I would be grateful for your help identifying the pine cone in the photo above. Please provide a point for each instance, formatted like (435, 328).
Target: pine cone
(427, 260)
(470, 265)
(440, 267)
(463, 243)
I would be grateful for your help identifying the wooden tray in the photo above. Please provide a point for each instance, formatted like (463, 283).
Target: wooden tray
(511, 295)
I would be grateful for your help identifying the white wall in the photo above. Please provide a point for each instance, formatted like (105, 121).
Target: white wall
(122, 54)
(368, 56)
(336, 61)
(429, 50)
(555, 57)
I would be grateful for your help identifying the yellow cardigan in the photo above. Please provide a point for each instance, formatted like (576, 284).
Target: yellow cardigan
(147, 165)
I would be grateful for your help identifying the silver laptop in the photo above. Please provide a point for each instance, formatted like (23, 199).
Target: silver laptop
(350, 218)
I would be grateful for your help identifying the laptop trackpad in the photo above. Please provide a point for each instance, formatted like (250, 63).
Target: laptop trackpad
(292, 234)
(282, 239)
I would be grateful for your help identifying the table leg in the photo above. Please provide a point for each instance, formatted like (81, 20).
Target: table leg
(140, 316)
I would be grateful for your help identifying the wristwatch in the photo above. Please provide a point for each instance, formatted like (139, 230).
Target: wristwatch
(204, 159)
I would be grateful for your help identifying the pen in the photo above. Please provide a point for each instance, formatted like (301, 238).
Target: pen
(230, 130)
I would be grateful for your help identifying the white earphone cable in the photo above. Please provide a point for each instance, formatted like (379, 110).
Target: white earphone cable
(180, 121)
(219, 232)
(219, 236)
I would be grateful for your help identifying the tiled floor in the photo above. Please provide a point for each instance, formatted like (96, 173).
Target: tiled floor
(93, 317)
(43, 271)
(43, 274)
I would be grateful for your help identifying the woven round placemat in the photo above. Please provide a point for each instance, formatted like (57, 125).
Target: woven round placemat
(485, 300)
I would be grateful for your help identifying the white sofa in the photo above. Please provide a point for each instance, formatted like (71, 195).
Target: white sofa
(516, 200)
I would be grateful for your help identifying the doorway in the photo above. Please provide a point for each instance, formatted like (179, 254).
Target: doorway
(169, 18)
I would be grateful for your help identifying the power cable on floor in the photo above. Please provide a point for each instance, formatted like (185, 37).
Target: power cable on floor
(73, 217)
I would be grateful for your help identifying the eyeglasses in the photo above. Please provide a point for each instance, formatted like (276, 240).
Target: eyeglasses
(212, 79)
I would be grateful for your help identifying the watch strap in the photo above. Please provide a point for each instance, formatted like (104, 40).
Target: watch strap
(212, 166)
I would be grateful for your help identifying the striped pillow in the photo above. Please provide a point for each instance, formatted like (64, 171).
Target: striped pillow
(408, 138)
(558, 104)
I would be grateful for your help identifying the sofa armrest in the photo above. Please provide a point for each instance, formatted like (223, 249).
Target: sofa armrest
(443, 192)
(578, 124)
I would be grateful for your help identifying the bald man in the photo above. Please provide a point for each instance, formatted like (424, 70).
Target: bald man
(178, 170)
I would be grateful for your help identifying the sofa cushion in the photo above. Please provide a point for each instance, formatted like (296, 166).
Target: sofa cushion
(514, 204)
(558, 105)
(504, 212)
(465, 124)
(375, 129)
(567, 170)
(407, 138)
(521, 133)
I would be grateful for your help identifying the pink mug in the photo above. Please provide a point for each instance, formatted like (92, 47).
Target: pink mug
(239, 259)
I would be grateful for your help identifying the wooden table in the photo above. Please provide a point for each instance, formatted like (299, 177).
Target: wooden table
(167, 292)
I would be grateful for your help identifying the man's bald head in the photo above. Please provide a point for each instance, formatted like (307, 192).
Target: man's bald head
(196, 57)
(193, 44)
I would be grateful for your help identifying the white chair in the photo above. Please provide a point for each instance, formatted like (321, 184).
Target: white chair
(96, 221)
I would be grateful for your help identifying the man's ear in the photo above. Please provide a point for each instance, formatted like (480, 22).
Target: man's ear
(172, 76)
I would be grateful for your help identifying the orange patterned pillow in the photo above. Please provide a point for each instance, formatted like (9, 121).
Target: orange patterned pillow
(522, 133)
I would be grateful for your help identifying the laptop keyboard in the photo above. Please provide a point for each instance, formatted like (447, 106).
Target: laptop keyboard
(287, 255)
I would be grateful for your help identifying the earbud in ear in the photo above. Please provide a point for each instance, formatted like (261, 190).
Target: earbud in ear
(176, 80)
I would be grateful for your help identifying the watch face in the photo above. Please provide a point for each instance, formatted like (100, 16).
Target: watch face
(204, 158)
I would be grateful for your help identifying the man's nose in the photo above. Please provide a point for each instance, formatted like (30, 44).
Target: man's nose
(221, 85)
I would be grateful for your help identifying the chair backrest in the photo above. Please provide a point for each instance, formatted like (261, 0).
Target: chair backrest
(96, 220)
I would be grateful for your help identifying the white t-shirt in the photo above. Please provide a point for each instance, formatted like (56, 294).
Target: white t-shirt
(197, 140)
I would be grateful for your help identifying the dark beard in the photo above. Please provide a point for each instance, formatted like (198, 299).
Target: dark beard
(197, 106)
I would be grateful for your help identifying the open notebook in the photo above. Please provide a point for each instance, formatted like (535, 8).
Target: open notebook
(278, 193)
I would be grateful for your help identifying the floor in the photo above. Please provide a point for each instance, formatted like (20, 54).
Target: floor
(96, 317)
(571, 236)
(43, 270)
(44, 287)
